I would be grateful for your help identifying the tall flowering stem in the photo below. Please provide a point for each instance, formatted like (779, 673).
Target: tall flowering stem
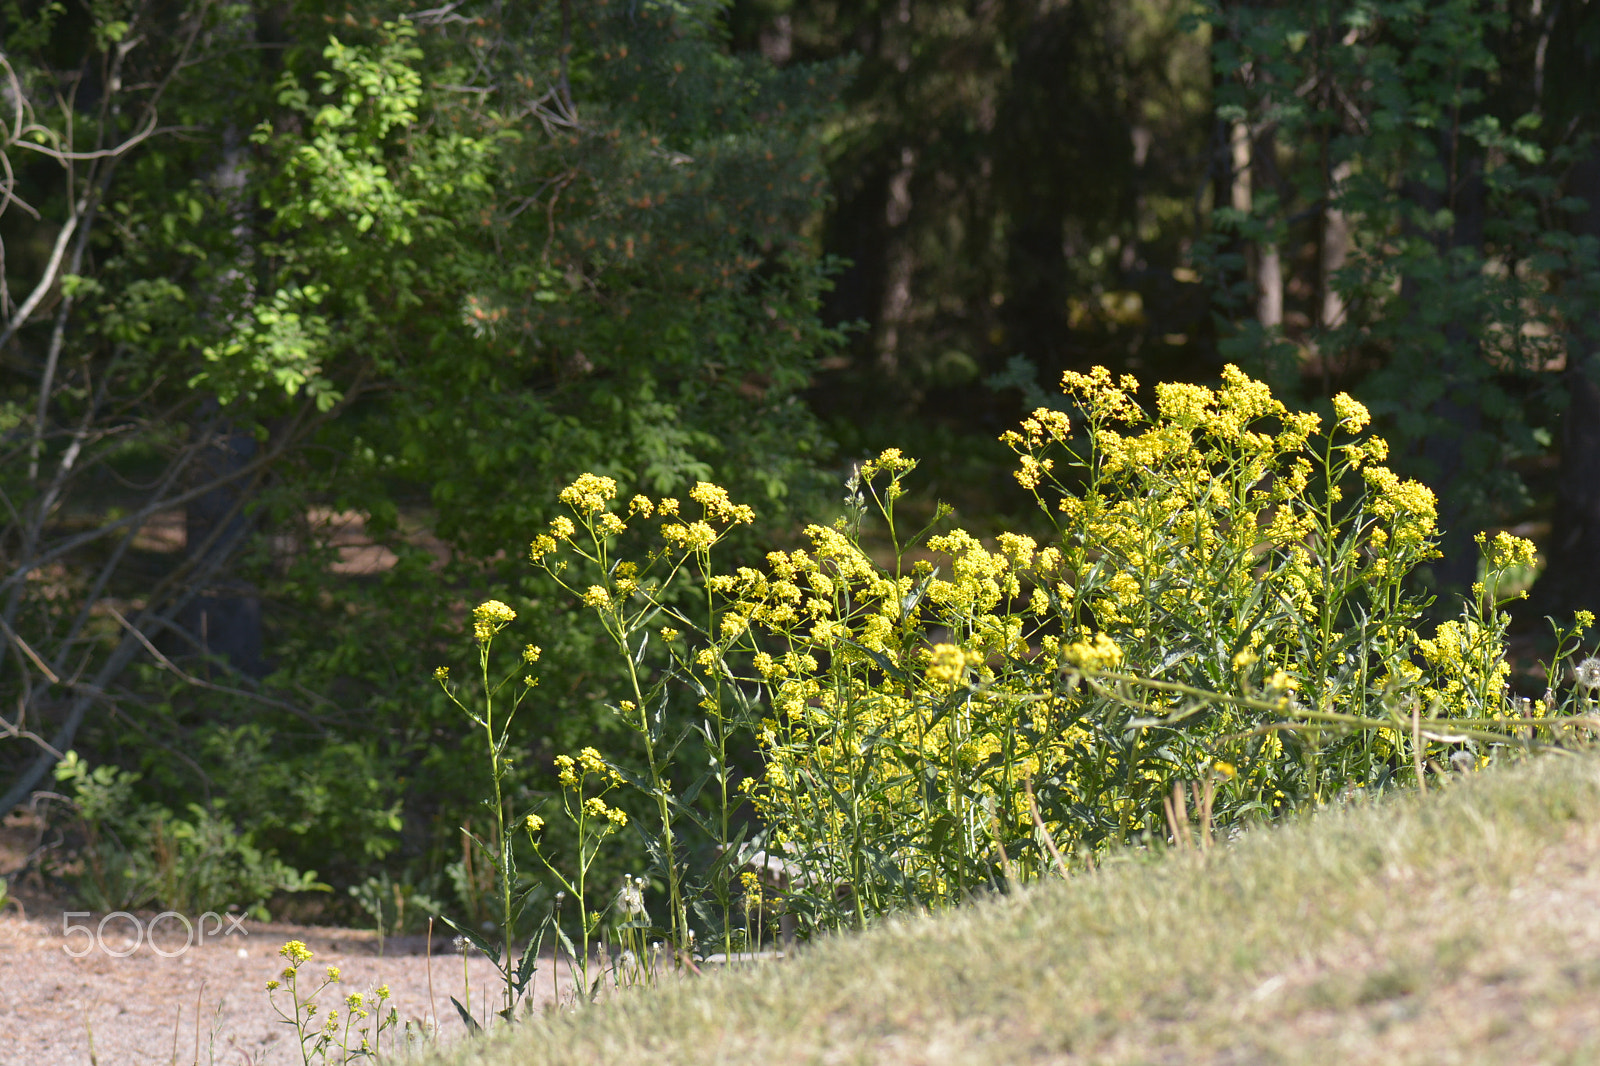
(488, 619)
(627, 598)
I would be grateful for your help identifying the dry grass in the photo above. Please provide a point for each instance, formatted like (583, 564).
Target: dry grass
(1463, 926)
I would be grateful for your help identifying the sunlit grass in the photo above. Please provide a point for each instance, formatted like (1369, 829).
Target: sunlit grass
(1375, 930)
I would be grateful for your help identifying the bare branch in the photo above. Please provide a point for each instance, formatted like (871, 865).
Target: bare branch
(32, 655)
(45, 282)
(190, 679)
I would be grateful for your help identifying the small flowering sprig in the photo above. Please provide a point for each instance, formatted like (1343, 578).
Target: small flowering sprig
(488, 620)
(1585, 673)
(318, 1038)
(586, 780)
(753, 903)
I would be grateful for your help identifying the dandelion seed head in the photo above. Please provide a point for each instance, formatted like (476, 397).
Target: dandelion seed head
(1586, 675)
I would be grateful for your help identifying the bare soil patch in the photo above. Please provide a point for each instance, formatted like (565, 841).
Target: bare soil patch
(193, 995)
(179, 1000)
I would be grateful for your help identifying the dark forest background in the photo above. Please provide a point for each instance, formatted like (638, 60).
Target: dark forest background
(309, 309)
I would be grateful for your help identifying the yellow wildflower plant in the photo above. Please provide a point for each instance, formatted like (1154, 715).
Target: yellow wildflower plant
(1222, 599)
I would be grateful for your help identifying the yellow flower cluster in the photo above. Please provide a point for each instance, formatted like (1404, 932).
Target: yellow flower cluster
(595, 807)
(1508, 551)
(1101, 653)
(1352, 415)
(691, 537)
(494, 611)
(1409, 506)
(489, 617)
(589, 762)
(714, 498)
(1468, 665)
(589, 493)
(947, 665)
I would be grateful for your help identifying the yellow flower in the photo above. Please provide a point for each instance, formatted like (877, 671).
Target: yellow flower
(1101, 654)
(1032, 472)
(532, 823)
(541, 546)
(561, 527)
(596, 596)
(714, 498)
(696, 536)
(640, 505)
(494, 611)
(947, 665)
(589, 493)
(892, 460)
(1187, 405)
(1509, 551)
(566, 771)
(1282, 682)
(1353, 416)
(531, 653)
(596, 807)
(441, 673)
(768, 667)
(1018, 547)
(295, 951)
(1043, 423)
(669, 634)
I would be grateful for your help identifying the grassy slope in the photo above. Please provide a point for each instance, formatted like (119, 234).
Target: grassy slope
(1463, 926)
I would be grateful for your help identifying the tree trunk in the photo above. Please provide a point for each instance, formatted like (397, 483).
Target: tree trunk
(225, 616)
(1268, 260)
(1571, 579)
(1335, 248)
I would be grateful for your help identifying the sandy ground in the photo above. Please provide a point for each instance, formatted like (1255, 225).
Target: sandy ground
(206, 1003)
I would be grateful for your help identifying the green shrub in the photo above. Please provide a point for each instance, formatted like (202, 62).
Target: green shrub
(140, 854)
